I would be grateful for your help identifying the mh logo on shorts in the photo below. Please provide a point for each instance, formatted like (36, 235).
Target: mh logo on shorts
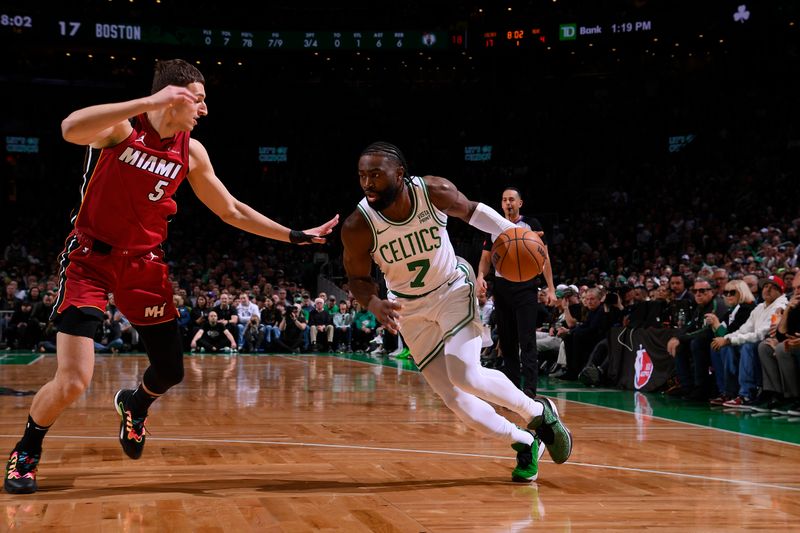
(154, 311)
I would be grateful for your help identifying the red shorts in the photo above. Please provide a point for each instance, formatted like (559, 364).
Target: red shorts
(140, 284)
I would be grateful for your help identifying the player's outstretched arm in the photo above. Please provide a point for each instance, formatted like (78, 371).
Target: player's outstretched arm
(107, 124)
(445, 196)
(357, 242)
(211, 191)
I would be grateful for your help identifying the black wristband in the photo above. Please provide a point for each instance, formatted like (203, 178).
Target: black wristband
(296, 237)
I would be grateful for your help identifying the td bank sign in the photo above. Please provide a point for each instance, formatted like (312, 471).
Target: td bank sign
(570, 32)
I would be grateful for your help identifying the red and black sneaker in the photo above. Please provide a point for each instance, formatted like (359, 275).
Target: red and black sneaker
(131, 429)
(21, 472)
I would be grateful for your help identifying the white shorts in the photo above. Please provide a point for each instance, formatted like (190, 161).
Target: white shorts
(428, 321)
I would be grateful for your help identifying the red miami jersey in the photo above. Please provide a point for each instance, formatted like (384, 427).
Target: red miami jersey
(126, 195)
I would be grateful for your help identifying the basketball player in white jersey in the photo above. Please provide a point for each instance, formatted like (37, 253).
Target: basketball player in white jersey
(401, 225)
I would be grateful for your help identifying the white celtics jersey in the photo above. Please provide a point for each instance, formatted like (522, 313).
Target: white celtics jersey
(415, 255)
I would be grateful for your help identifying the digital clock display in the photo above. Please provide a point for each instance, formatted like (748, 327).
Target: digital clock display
(632, 27)
(16, 21)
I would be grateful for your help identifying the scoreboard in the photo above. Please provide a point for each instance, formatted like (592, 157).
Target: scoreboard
(86, 31)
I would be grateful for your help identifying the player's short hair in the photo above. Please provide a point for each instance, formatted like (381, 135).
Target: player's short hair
(388, 150)
(175, 72)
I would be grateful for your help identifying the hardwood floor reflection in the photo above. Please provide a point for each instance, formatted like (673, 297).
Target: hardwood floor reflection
(288, 443)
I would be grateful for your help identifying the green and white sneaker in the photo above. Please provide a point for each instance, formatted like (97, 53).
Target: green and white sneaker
(527, 468)
(554, 434)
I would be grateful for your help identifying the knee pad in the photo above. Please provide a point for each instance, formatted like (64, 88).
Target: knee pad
(165, 351)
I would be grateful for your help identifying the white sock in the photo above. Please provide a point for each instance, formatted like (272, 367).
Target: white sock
(536, 409)
(522, 436)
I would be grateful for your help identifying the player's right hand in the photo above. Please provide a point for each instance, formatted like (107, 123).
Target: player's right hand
(171, 96)
(387, 313)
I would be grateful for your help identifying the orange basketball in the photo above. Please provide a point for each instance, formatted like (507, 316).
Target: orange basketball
(518, 254)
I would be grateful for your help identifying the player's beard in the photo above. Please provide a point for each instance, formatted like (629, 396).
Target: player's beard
(385, 198)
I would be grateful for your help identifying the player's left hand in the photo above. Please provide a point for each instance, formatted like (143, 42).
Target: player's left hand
(387, 313)
(320, 231)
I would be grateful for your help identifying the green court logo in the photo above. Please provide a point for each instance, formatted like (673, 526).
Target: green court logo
(567, 32)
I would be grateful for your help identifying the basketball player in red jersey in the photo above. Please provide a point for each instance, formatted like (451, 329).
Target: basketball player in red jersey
(138, 154)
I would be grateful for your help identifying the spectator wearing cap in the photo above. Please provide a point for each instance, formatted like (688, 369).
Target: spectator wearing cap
(567, 306)
(761, 324)
(293, 324)
(780, 361)
(306, 303)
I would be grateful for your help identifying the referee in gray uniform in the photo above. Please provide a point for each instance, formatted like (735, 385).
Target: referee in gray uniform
(516, 303)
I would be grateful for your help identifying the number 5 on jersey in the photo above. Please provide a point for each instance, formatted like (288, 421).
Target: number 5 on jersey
(159, 192)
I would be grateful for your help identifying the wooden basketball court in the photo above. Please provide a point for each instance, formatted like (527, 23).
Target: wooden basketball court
(323, 443)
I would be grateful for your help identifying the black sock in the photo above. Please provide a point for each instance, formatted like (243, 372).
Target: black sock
(33, 437)
(141, 401)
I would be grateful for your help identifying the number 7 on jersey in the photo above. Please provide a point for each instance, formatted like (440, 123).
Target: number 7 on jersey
(423, 265)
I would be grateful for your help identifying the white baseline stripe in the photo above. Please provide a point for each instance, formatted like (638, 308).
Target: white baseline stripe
(436, 452)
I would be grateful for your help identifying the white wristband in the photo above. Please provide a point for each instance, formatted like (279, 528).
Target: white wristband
(488, 220)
